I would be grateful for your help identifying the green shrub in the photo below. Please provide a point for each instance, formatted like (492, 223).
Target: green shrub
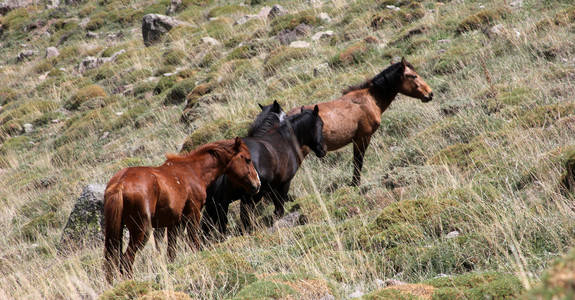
(397, 18)
(83, 95)
(7, 95)
(95, 24)
(353, 55)
(283, 56)
(43, 67)
(267, 290)
(164, 84)
(129, 289)
(226, 10)
(174, 57)
(542, 116)
(177, 94)
(290, 21)
(39, 226)
(492, 285)
(483, 17)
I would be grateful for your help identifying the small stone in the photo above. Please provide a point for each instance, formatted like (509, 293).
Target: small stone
(322, 35)
(444, 41)
(28, 128)
(92, 35)
(26, 54)
(300, 44)
(276, 11)
(356, 294)
(211, 41)
(452, 235)
(105, 135)
(392, 282)
(51, 52)
(324, 17)
(517, 3)
(321, 69)
(392, 7)
(264, 12)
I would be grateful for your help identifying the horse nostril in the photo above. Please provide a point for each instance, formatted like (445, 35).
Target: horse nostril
(431, 95)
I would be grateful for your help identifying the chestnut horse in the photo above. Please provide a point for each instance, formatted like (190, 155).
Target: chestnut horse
(171, 195)
(356, 115)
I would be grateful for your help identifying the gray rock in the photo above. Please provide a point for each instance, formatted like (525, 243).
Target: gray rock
(211, 41)
(356, 294)
(9, 5)
(173, 7)
(300, 44)
(324, 17)
(86, 221)
(495, 31)
(50, 4)
(28, 128)
(287, 36)
(94, 62)
(391, 282)
(92, 35)
(289, 221)
(264, 12)
(52, 52)
(155, 26)
(452, 235)
(321, 69)
(276, 11)
(322, 35)
(26, 54)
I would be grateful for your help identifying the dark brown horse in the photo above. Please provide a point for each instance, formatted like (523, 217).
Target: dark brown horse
(356, 115)
(171, 195)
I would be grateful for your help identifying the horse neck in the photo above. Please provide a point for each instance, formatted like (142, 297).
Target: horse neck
(207, 167)
(382, 98)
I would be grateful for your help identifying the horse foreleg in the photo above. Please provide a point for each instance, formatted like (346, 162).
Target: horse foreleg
(139, 235)
(159, 236)
(359, 147)
(193, 228)
(215, 220)
(174, 232)
(279, 198)
(247, 208)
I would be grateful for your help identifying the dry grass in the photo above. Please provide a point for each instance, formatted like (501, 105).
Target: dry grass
(497, 157)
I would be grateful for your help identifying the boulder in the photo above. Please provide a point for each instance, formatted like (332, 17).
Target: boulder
(324, 17)
(300, 44)
(28, 128)
(86, 221)
(211, 41)
(155, 26)
(51, 52)
(287, 36)
(321, 69)
(173, 7)
(322, 35)
(276, 11)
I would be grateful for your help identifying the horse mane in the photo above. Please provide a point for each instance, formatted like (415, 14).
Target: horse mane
(264, 122)
(382, 82)
(299, 123)
(224, 147)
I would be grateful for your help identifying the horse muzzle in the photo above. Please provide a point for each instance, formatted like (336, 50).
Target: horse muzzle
(427, 98)
(255, 189)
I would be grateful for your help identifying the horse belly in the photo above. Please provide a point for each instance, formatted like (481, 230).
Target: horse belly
(165, 217)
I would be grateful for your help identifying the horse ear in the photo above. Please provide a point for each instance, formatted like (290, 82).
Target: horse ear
(276, 106)
(261, 106)
(237, 144)
(403, 63)
(316, 110)
(302, 109)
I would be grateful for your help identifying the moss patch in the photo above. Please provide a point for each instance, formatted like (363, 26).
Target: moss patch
(483, 17)
(129, 289)
(265, 290)
(477, 286)
(83, 95)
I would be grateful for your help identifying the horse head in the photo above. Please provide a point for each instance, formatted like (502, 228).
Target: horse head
(412, 84)
(267, 120)
(241, 170)
(316, 142)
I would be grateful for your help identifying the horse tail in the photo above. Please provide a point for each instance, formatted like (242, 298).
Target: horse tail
(113, 228)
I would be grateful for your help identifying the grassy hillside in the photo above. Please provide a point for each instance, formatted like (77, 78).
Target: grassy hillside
(459, 196)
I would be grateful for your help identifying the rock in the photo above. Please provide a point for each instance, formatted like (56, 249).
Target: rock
(28, 128)
(123, 89)
(516, 3)
(211, 41)
(322, 35)
(300, 44)
(495, 31)
(155, 26)
(321, 69)
(94, 62)
(392, 282)
(264, 12)
(452, 235)
(51, 52)
(276, 11)
(173, 7)
(444, 41)
(92, 35)
(356, 294)
(324, 17)
(34, 25)
(52, 4)
(24, 55)
(84, 22)
(289, 221)
(287, 36)
(9, 5)
(85, 224)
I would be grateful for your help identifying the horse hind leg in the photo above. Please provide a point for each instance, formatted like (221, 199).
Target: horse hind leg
(359, 147)
(174, 233)
(139, 236)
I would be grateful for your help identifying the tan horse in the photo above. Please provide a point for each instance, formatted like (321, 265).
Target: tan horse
(171, 195)
(356, 115)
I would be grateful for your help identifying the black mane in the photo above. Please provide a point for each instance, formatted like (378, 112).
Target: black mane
(298, 124)
(383, 82)
(264, 122)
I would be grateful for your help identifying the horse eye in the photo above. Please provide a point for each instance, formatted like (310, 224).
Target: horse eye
(248, 160)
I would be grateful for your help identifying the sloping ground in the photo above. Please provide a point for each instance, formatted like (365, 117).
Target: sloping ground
(468, 185)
